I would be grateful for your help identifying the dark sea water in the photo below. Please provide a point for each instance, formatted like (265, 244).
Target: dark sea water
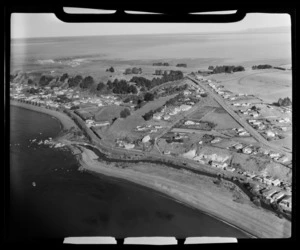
(66, 202)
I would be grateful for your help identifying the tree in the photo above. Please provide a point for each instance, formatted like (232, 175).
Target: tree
(64, 77)
(87, 82)
(111, 69)
(100, 86)
(124, 113)
(148, 97)
(211, 67)
(73, 82)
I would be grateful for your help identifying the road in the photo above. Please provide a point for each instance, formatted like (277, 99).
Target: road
(241, 121)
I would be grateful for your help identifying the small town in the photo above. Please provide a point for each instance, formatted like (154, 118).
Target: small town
(185, 120)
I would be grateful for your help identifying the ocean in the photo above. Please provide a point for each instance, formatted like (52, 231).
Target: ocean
(66, 202)
(241, 48)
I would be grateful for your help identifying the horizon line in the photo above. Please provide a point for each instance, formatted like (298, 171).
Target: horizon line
(145, 34)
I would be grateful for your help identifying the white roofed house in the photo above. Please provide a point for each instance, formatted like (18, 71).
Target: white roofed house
(270, 133)
(247, 150)
(277, 196)
(219, 165)
(286, 203)
(157, 116)
(185, 107)
(146, 139)
(189, 123)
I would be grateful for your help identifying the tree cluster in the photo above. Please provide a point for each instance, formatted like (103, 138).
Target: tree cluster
(45, 80)
(227, 69)
(262, 66)
(75, 81)
(148, 97)
(161, 64)
(124, 113)
(111, 69)
(30, 81)
(121, 87)
(148, 84)
(173, 101)
(64, 77)
(133, 70)
(181, 65)
(100, 86)
(171, 90)
(284, 102)
(87, 82)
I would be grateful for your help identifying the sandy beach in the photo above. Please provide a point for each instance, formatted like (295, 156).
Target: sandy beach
(65, 121)
(198, 192)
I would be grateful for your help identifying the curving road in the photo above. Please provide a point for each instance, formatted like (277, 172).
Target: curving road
(241, 121)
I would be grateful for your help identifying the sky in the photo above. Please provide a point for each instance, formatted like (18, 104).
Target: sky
(48, 25)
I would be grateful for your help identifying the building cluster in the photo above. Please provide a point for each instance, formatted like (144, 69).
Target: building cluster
(92, 123)
(255, 150)
(148, 128)
(58, 97)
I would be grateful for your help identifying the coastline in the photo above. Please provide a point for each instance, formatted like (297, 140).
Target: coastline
(65, 121)
(211, 202)
(154, 183)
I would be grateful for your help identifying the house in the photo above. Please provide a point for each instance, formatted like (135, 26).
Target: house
(216, 140)
(190, 154)
(129, 145)
(273, 155)
(189, 123)
(218, 165)
(269, 193)
(186, 92)
(268, 180)
(284, 128)
(244, 133)
(240, 129)
(238, 146)
(270, 133)
(276, 182)
(100, 124)
(277, 196)
(247, 150)
(230, 169)
(185, 107)
(146, 139)
(167, 117)
(283, 159)
(157, 116)
(286, 203)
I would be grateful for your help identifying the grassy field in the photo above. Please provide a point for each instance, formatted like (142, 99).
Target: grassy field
(108, 113)
(125, 127)
(223, 120)
(269, 85)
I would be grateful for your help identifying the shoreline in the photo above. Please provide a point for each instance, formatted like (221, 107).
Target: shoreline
(64, 121)
(160, 193)
(114, 172)
(267, 227)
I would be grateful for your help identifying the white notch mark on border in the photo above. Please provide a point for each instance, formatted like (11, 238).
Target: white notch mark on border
(209, 240)
(225, 12)
(150, 241)
(90, 240)
(72, 10)
(141, 12)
